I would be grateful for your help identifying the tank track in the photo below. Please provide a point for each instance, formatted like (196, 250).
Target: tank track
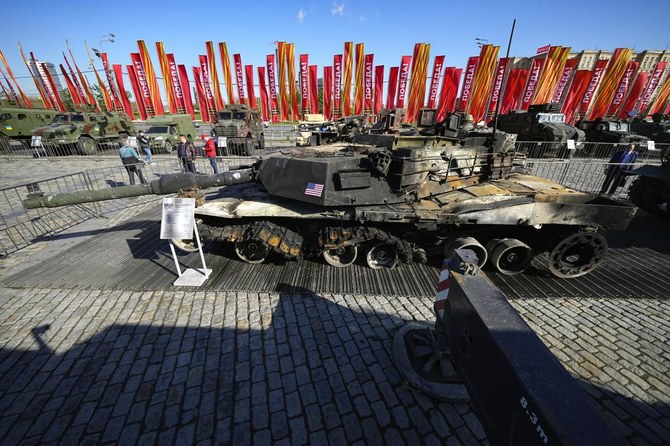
(291, 245)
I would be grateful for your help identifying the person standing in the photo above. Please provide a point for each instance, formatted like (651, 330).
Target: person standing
(210, 151)
(131, 161)
(186, 153)
(145, 145)
(615, 173)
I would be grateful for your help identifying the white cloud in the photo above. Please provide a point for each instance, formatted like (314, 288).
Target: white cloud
(362, 18)
(336, 9)
(301, 15)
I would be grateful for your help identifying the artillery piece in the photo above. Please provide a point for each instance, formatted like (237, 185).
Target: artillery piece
(393, 199)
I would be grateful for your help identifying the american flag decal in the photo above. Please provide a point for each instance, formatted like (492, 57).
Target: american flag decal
(314, 189)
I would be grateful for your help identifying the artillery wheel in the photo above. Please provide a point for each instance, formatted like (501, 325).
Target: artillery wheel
(86, 145)
(509, 256)
(382, 255)
(188, 245)
(577, 254)
(252, 251)
(426, 364)
(342, 256)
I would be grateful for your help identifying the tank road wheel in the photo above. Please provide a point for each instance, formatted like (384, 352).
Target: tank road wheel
(342, 256)
(453, 243)
(252, 251)
(86, 145)
(188, 245)
(509, 256)
(577, 254)
(382, 255)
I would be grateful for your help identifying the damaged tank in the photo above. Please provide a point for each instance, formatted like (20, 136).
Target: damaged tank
(651, 189)
(391, 199)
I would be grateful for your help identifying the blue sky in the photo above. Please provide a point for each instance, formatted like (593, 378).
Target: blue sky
(388, 29)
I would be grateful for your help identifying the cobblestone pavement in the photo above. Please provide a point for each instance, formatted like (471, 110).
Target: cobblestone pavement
(187, 368)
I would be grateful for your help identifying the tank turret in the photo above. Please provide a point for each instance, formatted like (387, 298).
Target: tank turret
(386, 199)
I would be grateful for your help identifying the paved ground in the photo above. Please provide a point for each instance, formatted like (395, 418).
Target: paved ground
(174, 367)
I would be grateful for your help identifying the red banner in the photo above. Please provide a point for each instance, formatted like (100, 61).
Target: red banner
(225, 61)
(177, 88)
(137, 91)
(551, 73)
(9, 94)
(346, 78)
(596, 77)
(661, 98)
(272, 83)
(70, 86)
(467, 82)
(249, 74)
(634, 95)
(52, 88)
(531, 85)
(367, 96)
(403, 76)
(579, 85)
(621, 90)
(481, 86)
(417, 90)
(207, 89)
(214, 76)
(75, 82)
(142, 84)
(616, 69)
(118, 104)
(359, 81)
(379, 88)
(202, 99)
(237, 58)
(82, 80)
(150, 78)
(167, 79)
(649, 90)
(327, 92)
(337, 86)
(447, 103)
(118, 74)
(513, 89)
(263, 88)
(314, 88)
(283, 94)
(38, 84)
(543, 49)
(392, 88)
(304, 83)
(435, 81)
(186, 89)
(563, 80)
(497, 84)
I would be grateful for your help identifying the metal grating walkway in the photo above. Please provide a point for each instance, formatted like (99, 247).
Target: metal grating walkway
(132, 257)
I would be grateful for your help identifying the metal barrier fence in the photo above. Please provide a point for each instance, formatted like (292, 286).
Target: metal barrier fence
(586, 150)
(19, 227)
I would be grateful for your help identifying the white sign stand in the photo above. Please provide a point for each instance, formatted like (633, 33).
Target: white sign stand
(178, 222)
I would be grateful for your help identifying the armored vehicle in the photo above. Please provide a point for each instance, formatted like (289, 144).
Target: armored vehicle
(395, 199)
(18, 123)
(84, 132)
(164, 131)
(651, 189)
(603, 135)
(545, 123)
(242, 127)
(658, 130)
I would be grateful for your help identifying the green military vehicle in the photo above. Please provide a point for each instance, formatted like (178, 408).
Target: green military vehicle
(17, 124)
(84, 132)
(242, 127)
(164, 131)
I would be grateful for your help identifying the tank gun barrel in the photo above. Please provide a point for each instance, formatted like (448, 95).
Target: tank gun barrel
(167, 184)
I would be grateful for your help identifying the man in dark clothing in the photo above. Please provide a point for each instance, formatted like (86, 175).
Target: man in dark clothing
(145, 145)
(615, 173)
(186, 153)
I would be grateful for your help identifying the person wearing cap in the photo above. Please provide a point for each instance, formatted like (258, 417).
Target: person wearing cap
(210, 151)
(145, 145)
